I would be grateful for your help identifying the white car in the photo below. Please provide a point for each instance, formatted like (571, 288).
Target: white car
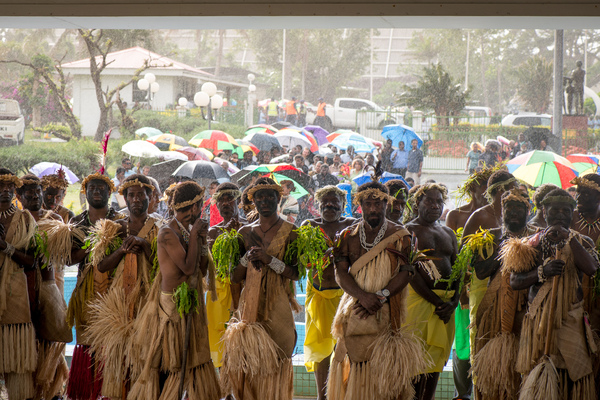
(12, 122)
(527, 119)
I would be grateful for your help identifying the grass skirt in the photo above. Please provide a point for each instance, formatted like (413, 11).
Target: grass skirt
(165, 353)
(278, 385)
(52, 370)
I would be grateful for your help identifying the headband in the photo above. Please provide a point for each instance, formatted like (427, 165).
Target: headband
(516, 196)
(372, 192)
(169, 192)
(54, 181)
(328, 190)
(429, 186)
(235, 193)
(183, 204)
(29, 181)
(581, 181)
(100, 177)
(475, 179)
(501, 184)
(11, 178)
(134, 182)
(258, 187)
(559, 199)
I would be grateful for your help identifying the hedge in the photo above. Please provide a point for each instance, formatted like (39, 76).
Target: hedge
(186, 127)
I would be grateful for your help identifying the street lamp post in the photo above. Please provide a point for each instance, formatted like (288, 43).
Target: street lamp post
(148, 82)
(251, 99)
(208, 97)
(181, 104)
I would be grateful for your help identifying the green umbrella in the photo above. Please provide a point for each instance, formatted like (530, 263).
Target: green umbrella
(148, 131)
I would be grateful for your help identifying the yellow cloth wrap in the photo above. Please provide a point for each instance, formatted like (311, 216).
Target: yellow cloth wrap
(218, 314)
(320, 308)
(438, 336)
(476, 293)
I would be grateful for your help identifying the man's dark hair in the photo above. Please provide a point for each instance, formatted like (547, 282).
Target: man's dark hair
(28, 177)
(6, 171)
(120, 170)
(542, 192)
(266, 181)
(558, 193)
(125, 159)
(299, 156)
(498, 176)
(186, 191)
(214, 183)
(592, 177)
(142, 178)
(397, 187)
(373, 185)
(227, 186)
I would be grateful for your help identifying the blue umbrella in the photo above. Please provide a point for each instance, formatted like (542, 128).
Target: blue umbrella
(346, 187)
(401, 133)
(386, 176)
(50, 168)
(359, 143)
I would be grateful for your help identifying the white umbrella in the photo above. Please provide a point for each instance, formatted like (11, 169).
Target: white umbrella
(141, 148)
(173, 155)
(231, 169)
(324, 149)
(291, 138)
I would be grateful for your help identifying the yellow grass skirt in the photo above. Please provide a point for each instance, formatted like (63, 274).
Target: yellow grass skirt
(320, 309)
(438, 336)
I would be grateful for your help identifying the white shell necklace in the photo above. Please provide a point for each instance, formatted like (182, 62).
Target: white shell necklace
(363, 235)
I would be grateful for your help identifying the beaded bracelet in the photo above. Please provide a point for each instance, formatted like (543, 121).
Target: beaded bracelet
(277, 265)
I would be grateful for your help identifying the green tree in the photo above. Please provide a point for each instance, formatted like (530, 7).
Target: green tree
(535, 82)
(318, 62)
(51, 72)
(436, 90)
(99, 46)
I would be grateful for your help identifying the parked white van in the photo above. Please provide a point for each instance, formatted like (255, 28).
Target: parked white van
(12, 122)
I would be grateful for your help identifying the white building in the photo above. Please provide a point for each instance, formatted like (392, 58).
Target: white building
(175, 80)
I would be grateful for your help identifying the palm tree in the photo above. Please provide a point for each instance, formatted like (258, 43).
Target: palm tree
(436, 90)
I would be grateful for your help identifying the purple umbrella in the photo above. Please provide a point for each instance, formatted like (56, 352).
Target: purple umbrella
(49, 168)
(319, 133)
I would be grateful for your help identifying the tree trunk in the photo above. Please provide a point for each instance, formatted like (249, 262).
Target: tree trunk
(219, 53)
(36, 113)
(483, 85)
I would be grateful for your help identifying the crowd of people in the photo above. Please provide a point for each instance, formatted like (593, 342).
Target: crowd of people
(293, 111)
(495, 152)
(188, 290)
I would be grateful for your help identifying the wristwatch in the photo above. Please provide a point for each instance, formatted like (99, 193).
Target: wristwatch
(383, 293)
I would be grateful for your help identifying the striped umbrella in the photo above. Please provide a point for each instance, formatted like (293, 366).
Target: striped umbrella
(337, 133)
(216, 141)
(314, 146)
(166, 141)
(585, 163)
(360, 144)
(538, 167)
(262, 128)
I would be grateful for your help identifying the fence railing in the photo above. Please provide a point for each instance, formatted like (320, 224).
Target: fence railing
(451, 137)
(227, 114)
